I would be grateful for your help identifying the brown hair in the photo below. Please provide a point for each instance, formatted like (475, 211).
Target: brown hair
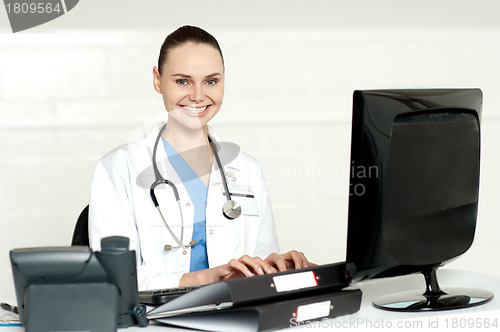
(183, 35)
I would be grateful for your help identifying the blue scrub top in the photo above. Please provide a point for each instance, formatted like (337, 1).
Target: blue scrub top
(197, 191)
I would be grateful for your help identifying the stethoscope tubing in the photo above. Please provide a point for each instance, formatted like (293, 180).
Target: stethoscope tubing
(219, 164)
(233, 209)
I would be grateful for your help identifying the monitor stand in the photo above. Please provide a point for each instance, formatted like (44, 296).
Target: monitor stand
(433, 299)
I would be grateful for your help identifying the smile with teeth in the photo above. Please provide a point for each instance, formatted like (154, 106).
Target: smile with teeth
(195, 109)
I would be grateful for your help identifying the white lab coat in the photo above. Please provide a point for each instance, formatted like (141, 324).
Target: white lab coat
(120, 204)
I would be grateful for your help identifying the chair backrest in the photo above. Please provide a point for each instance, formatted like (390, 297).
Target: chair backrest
(81, 232)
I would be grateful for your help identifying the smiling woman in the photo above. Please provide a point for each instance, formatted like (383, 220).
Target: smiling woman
(188, 193)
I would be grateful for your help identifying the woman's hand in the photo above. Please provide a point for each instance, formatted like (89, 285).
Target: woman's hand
(245, 266)
(290, 260)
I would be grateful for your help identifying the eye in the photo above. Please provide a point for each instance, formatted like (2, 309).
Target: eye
(211, 82)
(181, 82)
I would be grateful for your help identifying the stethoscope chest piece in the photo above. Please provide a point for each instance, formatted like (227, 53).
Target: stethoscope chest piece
(231, 209)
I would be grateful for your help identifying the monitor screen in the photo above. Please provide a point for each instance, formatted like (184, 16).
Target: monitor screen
(414, 179)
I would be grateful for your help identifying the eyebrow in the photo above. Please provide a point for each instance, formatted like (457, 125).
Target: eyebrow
(189, 76)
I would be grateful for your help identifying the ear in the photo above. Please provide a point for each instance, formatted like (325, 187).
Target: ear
(156, 79)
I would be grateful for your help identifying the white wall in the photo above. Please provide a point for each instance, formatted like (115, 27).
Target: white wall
(74, 88)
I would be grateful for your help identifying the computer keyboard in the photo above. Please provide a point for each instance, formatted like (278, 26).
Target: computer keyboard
(161, 296)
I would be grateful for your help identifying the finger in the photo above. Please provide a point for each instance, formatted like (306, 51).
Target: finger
(305, 262)
(299, 259)
(277, 262)
(280, 263)
(233, 274)
(252, 264)
(296, 258)
(223, 271)
(207, 276)
(256, 264)
(264, 265)
(289, 259)
(234, 264)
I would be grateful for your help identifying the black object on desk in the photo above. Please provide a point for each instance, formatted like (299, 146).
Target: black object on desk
(157, 297)
(415, 157)
(264, 302)
(73, 289)
(290, 284)
(270, 316)
(8, 307)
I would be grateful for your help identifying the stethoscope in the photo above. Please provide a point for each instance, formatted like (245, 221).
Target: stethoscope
(230, 209)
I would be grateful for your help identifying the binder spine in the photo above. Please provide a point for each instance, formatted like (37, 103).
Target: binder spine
(303, 311)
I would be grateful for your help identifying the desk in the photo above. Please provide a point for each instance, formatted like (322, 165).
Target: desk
(369, 317)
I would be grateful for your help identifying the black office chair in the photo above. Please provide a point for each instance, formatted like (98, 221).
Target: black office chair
(81, 232)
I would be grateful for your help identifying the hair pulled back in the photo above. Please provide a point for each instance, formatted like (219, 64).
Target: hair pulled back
(183, 35)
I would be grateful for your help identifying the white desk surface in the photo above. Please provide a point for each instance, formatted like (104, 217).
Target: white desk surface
(481, 318)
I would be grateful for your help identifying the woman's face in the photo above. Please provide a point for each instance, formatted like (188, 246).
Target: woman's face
(192, 83)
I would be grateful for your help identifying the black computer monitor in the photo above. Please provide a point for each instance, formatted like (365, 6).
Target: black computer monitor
(414, 183)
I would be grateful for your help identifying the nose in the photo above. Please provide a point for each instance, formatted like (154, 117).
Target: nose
(197, 94)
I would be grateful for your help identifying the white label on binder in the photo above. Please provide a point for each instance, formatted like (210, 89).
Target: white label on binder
(312, 311)
(295, 281)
